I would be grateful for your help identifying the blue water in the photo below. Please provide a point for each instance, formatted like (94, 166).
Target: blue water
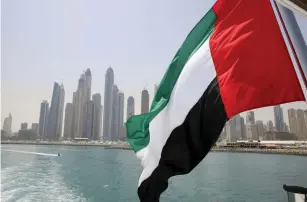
(97, 174)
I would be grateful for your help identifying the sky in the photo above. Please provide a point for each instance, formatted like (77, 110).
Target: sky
(47, 41)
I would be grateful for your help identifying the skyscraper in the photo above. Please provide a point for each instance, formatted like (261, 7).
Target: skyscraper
(260, 129)
(34, 128)
(279, 118)
(80, 99)
(250, 117)
(68, 122)
(115, 115)
(145, 102)
(251, 132)
(88, 84)
(270, 125)
(292, 120)
(243, 129)
(55, 120)
(7, 124)
(251, 128)
(24, 126)
(43, 119)
(234, 128)
(130, 107)
(108, 103)
(88, 120)
(97, 116)
(301, 125)
(121, 100)
(76, 113)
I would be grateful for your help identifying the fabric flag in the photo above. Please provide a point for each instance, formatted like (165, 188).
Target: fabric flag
(235, 59)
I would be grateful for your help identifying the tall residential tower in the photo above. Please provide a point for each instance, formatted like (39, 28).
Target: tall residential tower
(55, 119)
(108, 104)
(43, 117)
(144, 102)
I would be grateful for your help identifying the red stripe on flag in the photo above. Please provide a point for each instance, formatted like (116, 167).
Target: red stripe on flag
(252, 63)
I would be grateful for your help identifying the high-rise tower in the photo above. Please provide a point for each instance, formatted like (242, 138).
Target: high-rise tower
(68, 122)
(145, 102)
(97, 116)
(279, 118)
(80, 100)
(113, 135)
(43, 117)
(7, 124)
(55, 119)
(108, 103)
(121, 100)
(130, 107)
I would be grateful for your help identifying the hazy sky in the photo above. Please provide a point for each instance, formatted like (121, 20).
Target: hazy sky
(44, 41)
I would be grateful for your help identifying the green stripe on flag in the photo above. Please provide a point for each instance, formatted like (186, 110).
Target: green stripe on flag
(138, 125)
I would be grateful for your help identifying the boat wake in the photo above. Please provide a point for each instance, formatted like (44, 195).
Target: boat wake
(39, 180)
(27, 152)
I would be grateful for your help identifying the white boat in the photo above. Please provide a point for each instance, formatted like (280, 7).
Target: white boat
(296, 193)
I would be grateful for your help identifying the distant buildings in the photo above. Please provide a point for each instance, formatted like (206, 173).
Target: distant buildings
(297, 123)
(7, 124)
(83, 117)
(88, 120)
(292, 120)
(34, 128)
(279, 118)
(301, 125)
(130, 107)
(234, 129)
(24, 126)
(68, 122)
(260, 129)
(108, 104)
(80, 99)
(251, 127)
(114, 135)
(279, 136)
(43, 119)
(250, 118)
(55, 118)
(144, 102)
(243, 129)
(121, 100)
(97, 116)
(270, 125)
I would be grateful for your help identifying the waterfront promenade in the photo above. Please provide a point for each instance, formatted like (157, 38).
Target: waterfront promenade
(286, 151)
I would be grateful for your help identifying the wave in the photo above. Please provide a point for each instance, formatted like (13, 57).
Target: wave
(37, 181)
(56, 147)
(28, 152)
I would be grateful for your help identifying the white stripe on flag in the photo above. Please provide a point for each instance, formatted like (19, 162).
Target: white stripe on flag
(194, 79)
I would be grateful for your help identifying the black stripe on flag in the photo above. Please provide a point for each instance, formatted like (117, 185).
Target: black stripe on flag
(188, 143)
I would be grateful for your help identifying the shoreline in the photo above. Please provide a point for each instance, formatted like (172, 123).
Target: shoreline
(296, 152)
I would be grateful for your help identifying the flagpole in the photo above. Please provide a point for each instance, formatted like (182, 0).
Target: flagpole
(293, 29)
(297, 49)
(295, 5)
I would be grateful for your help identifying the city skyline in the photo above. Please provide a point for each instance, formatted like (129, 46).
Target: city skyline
(37, 51)
(243, 127)
(145, 94)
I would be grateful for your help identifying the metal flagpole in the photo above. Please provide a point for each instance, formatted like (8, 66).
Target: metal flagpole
(297, 50)
(299, 6)
(296, 37)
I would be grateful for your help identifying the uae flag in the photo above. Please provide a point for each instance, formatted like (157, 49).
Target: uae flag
(235, 59)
